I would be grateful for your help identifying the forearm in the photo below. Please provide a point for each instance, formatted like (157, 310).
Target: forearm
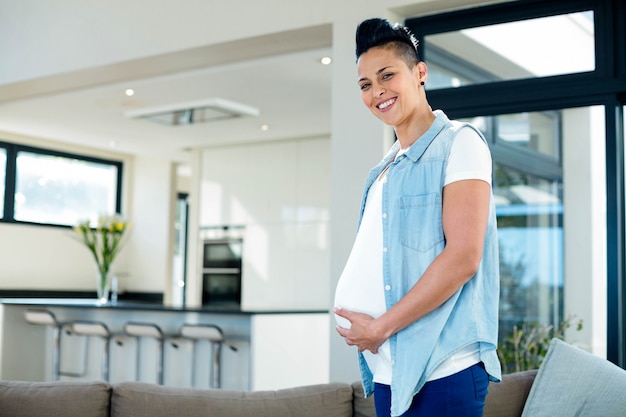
(445, 275)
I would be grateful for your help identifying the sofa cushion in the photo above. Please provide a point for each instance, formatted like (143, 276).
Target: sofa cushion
(363, 407)
(572, 382)
(507, 398)
(54, 399)
(139, 399)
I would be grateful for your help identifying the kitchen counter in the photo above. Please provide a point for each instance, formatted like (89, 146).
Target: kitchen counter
(273, 349)
(144, 305)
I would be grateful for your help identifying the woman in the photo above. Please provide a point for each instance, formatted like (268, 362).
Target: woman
(419, 293)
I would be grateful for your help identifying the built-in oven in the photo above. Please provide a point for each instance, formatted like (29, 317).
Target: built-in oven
(221, 271)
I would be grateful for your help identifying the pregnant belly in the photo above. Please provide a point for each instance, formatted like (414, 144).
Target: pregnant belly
(359, 291)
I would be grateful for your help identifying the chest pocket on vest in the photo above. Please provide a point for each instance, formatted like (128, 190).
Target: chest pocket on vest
(421, 221)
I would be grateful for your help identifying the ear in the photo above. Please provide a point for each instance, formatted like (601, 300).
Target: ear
(421, 72)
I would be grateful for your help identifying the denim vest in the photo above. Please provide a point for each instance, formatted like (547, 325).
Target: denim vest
(412, 239)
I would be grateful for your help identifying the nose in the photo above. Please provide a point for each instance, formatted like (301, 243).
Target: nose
(380, 91)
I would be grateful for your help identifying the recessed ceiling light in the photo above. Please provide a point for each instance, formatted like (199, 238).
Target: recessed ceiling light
(265, 128)
(129, 92)
(326, 60)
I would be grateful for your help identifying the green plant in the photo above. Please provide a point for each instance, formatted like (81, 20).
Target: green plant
(527, 346)
(103, 241)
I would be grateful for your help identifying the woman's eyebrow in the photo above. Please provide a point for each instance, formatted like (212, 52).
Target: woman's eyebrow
(377, 72)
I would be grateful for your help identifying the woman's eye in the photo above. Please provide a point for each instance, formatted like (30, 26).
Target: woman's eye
(364, 86)
(387, 76)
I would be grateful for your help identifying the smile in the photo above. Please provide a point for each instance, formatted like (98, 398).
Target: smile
(386, 103)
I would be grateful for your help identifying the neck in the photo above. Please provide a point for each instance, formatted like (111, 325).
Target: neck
(408, 133)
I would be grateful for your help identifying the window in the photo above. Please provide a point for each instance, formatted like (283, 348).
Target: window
(532, 134)
(544, 81)
(54, 188)
(530, 233)
(529, 212)
(540, 47)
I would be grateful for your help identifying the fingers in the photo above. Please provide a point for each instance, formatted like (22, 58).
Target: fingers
(343, 332)
(341, 312)
(361, 345)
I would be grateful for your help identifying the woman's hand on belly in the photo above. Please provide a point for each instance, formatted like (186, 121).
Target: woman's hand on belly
(362, 333)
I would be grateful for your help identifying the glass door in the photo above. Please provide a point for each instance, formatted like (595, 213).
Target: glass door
(179, 273)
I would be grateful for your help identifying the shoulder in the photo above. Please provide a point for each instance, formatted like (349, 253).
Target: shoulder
(468, 138)
(469, 156)
(466, 130)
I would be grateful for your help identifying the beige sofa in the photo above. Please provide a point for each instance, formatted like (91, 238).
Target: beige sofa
(570, 382)
(136, 399)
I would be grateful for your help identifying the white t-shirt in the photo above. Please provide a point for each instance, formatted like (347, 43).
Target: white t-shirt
(360, 286)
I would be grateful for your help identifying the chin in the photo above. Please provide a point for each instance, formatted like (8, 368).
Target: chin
(387, 121)
(382, 117)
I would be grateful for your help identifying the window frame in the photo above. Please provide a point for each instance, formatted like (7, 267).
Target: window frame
(12, 150)
(604, 86)
(568, 90)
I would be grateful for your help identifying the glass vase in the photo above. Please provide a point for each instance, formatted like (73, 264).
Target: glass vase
(103, 281)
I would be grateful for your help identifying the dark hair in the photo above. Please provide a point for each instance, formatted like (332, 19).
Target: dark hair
(378, 32)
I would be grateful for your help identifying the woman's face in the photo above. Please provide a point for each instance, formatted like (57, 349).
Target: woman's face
(389, 88)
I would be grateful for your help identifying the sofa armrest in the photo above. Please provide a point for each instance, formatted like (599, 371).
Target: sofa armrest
(363, 407)
(507, 398)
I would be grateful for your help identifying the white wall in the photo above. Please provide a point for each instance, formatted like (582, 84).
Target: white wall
(584, 225)
(149, 252)
(51, 258)
(121, 30)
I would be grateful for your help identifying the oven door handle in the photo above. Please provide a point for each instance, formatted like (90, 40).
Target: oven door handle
(221, 270)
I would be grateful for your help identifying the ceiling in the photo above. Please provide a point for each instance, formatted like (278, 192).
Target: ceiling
(291, 89)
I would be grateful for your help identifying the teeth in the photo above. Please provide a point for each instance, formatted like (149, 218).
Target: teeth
(386, 104)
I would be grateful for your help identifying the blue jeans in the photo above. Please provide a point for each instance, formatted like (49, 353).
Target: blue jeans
(459, 395)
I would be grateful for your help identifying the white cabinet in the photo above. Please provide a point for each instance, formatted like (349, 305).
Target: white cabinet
(280, 194)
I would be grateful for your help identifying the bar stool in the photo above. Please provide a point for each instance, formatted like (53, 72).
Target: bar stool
(140, 330)
(47, 318)
(212, 334)
(96, 329)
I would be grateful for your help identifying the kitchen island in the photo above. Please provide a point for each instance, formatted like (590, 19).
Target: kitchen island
(264, 350)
